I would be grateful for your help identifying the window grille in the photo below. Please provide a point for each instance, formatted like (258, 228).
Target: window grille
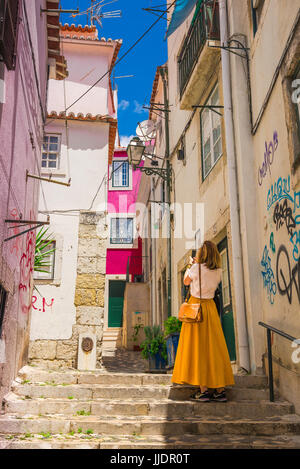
(51, 151)
(8, 31)
(120, 174)
(121, 231)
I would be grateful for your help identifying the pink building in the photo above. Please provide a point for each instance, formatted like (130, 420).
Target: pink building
(28, 45)
(124, 253)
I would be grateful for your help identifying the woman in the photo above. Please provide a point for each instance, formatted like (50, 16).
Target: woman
(202, 357)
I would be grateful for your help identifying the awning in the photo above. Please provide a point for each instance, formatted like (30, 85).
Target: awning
(181, 11)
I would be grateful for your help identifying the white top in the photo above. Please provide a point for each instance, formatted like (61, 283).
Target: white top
(210, 280)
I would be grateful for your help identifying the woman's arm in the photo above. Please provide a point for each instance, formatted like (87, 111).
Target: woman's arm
(187, 279)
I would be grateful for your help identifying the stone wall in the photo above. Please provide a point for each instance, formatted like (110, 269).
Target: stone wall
(89, 298)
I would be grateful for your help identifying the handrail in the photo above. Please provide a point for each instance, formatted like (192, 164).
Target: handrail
(270, 359)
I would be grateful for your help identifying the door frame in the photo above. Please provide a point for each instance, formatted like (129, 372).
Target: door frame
(106, 299)
(222, 245)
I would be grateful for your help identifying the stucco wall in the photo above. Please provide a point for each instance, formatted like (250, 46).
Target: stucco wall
(20, 140)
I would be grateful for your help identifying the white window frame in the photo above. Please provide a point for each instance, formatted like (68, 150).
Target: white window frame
(211, 115)
(120, 188)
(50, 258)
(47, 169)
(122, 216)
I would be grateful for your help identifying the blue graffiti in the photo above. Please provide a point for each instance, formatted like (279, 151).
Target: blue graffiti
(279, 190)
(295, 240)
(272, 245)
(268, 275)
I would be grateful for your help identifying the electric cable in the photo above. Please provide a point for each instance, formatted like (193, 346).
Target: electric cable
(118, 61)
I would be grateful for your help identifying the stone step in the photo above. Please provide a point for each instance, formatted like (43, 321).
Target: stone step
(153, 442)
(289, 424)
(163, 408)
(36, 375)
(98, 391)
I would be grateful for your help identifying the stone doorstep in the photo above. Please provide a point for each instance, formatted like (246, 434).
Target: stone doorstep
(158, 442)
(151, 426)
(95, 391)
(165, 408)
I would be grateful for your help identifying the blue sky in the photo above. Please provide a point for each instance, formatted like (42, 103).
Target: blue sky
(134, 92)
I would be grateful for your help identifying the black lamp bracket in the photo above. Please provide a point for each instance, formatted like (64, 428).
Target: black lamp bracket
(22, 222)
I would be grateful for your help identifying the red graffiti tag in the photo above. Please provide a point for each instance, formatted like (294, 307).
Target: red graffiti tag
(44, 302)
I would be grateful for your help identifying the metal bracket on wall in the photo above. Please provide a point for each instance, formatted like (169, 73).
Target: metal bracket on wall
(58, 10)
(156, 108)
(212, 108)
(68, 184)
(37, 224)
(233, 50)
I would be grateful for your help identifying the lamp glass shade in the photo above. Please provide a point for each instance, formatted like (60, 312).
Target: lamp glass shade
(135, 151)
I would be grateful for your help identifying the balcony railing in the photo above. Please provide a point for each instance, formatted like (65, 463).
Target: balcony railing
(205, 25)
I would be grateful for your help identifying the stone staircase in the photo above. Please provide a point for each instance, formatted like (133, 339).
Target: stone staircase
(90, 410)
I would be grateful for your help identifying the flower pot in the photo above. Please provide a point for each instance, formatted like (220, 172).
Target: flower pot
(172, 344)
(157, 363)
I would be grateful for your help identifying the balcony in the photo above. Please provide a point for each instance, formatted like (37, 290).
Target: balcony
(197, 59)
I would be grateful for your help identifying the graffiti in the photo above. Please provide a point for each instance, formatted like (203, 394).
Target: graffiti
(44, 304)
(287, 278)
(272, 245)
(16, 243)
(279, 190)
(268, 275)
(268, 158)
(283, 215)
(26, 270)
(295, 240)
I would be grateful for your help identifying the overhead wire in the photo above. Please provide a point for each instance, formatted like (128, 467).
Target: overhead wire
(118, 61)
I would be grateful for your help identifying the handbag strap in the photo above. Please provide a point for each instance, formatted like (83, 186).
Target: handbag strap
(200, 306)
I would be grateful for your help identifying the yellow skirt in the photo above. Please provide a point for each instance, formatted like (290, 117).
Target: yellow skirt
(202, 357)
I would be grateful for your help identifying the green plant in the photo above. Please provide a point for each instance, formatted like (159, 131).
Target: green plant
(136, 331)
(41, 260)
(89, 432)
(172, 325)
(82, 412)
(154, 342)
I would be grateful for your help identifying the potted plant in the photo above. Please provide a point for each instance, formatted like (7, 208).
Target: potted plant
(154, 349)
(136, 330)
(172, 332)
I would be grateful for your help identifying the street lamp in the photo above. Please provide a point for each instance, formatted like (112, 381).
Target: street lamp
(135, 151)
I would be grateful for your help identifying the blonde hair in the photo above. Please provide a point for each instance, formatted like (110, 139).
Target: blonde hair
(209, 255)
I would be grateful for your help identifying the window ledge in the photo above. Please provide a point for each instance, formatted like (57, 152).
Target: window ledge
(54, 172)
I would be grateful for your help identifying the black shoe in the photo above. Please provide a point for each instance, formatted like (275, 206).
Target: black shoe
(219, 396)
(201, 396)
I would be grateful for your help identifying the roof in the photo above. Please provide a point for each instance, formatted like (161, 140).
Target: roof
(113, 124)
(154, 90)
(54, 40)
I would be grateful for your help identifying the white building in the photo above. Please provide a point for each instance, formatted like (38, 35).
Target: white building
(78, 145)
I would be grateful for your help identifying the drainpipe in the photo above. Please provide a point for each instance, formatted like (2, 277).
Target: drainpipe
(164, 74)
(239, 287)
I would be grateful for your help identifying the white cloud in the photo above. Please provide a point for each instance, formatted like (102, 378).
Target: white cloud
(125, 139)
(138, 108)
(123, 105)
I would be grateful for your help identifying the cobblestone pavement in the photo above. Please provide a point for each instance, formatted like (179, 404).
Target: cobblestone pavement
(124, 361)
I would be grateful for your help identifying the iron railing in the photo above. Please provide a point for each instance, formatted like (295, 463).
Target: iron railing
(205, 25)
(270, 359)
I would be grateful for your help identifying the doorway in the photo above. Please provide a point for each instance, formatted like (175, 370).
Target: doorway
(227, 319)
(115, 302)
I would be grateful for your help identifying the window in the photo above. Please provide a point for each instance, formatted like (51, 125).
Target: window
(3, 295)
(49, 260)
(8, 31)
(211, 134)
(51, 151)
(121, 231)
(225, 278)
(120, 174)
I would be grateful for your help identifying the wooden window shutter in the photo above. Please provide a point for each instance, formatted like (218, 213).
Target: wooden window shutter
(8, 31)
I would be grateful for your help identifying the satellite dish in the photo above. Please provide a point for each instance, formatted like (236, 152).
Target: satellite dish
(146, 130)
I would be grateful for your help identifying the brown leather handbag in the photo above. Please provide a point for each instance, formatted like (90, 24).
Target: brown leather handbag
(189, 312)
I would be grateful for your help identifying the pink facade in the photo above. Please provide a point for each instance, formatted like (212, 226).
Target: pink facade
(122, 202)
(22, 113)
